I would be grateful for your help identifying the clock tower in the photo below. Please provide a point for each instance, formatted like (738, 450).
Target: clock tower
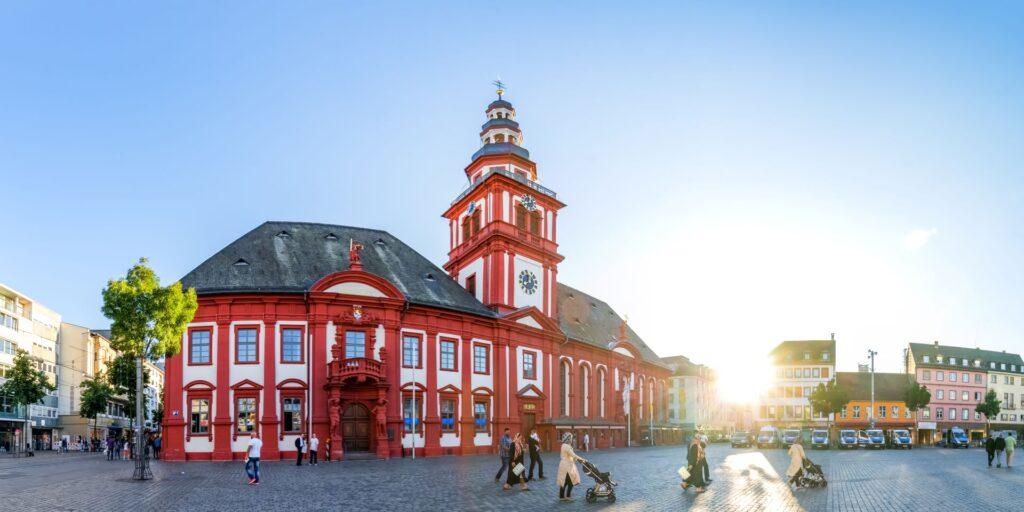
(503, 227)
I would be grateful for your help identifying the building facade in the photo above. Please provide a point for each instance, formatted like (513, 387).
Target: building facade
(889, 411)
(799, 367)
(351, 334)
(1006, 378)
(86, 354)
(693, 397)
(956, 378)
(28, 325)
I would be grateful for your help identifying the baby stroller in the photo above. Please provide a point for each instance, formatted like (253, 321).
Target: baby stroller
(603, 487)
(812, 475)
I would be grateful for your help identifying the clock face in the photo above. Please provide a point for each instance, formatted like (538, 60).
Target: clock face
(529, 202)
(528, 282)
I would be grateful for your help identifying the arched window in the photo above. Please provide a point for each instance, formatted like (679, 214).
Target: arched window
(600, 392)
(640, 393)
(564, 380)
(466, 228)
(499, 138)
(585, 389)
(521, 216)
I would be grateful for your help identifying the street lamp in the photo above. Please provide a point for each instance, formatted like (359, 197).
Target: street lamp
(872, 354)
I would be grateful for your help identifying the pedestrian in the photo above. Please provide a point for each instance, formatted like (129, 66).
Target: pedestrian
(64, 445)
(327, 448)
(1011, 445)
(110, 448)
(990, 449)
(586, 441)
(694, 457)
(253, 458)
(504, 452)
(568, 475)
(300, 447)
(704, 468)
(796, 463)
(516, 469)
(156, 447)
(1000, 446)
(314, 445)
(534, 444)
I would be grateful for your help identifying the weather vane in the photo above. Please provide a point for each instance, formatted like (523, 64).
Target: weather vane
(501, 87)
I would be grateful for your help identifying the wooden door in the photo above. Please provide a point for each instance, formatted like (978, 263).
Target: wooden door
(355, 428)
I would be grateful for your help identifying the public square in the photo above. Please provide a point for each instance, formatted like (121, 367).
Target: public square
(744, 479)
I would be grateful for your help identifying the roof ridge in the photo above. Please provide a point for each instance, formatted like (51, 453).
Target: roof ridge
(324, 224)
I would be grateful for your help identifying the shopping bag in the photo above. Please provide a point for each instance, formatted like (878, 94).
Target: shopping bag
(518, 469)
(684, 473)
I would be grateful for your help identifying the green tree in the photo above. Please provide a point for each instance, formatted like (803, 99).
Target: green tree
(121, 376)
(990, 407)
(95, 395)
(916, 396)
(25, 386)
(829, 399)
(147, 322)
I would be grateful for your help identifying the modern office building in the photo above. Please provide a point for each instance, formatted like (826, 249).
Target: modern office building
(28, 325)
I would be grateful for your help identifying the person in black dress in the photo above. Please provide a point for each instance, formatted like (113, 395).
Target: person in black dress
(694, 459)
(534, 444)
(518, 454)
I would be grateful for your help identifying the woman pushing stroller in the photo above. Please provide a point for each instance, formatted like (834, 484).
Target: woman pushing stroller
(568, 475)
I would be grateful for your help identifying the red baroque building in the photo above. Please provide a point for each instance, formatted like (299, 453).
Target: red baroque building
(351, 334)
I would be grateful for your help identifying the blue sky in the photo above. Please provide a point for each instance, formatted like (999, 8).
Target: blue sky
(734, 175)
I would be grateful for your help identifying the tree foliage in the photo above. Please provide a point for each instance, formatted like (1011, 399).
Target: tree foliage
(916, 396)
(147, 320)
(25, 384)
(95, 395)
(829, 398)
(121, 377)
(991, 406)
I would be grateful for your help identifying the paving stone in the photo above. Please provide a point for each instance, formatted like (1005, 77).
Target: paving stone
(744, 480)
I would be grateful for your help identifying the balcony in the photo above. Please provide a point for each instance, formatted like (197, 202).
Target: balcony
(360, 368)
(508, 174)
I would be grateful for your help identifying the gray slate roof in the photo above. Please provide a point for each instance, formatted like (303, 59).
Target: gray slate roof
(501, 148)
(292, 256)
(289, 257)
(888, 386)
(960, 353)
(591, 320)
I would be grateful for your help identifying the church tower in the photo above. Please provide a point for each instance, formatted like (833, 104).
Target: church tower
(503, 227)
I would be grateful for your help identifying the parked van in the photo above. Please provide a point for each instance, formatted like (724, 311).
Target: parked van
(819, 439)
(955, 438)
(790, 436)
(900, 438)
(848, 440)
(768, 437)
(873, 438)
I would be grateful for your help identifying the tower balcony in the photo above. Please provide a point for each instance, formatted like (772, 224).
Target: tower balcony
(508, 174)
(505, 230)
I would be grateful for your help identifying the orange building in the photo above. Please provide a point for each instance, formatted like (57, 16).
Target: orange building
(889, 411)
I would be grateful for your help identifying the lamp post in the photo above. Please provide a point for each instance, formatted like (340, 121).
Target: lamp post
(872, 354)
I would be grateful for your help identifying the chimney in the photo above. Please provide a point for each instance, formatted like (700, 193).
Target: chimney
(833, 336)
(936, 343)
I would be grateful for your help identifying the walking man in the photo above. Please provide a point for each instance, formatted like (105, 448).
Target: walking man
(253, 459)
(1011, 445)
(300, 446)
(1000, 446)
(704, 460)
(314, 445)
(534, 443)
(990, 449)
(505, 453)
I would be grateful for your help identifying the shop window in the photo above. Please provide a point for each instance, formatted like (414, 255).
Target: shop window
(411, 414)
(200, 416)
(481, 418)
(245, 415)
(291, 412)
(447, 415)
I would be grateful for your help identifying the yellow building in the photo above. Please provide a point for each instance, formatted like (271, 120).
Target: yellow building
(889, 410)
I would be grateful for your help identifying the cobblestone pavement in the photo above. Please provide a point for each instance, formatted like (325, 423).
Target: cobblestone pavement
(744, 480)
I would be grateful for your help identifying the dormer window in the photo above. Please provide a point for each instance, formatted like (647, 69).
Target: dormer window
(824, 356)
(938, 358)
(992, 365)
(807, 356)
(952, 360)
(926, 359)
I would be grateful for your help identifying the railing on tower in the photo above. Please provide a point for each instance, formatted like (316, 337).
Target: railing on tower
(504, 172)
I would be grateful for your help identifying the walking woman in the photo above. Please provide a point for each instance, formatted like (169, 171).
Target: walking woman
(518, 452)
(694, 461)
(796, 463)
(568, 476)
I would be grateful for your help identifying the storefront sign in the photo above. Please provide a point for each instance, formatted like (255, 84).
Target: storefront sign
(926, 425)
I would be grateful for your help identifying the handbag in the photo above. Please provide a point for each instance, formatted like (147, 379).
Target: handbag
(518, 469)
(684, 473)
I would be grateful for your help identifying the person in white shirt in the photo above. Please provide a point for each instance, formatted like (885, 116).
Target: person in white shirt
(314, 444)
(586, 441)
(253, 458)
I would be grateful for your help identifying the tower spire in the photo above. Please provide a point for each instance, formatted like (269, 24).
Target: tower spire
(500, 85)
